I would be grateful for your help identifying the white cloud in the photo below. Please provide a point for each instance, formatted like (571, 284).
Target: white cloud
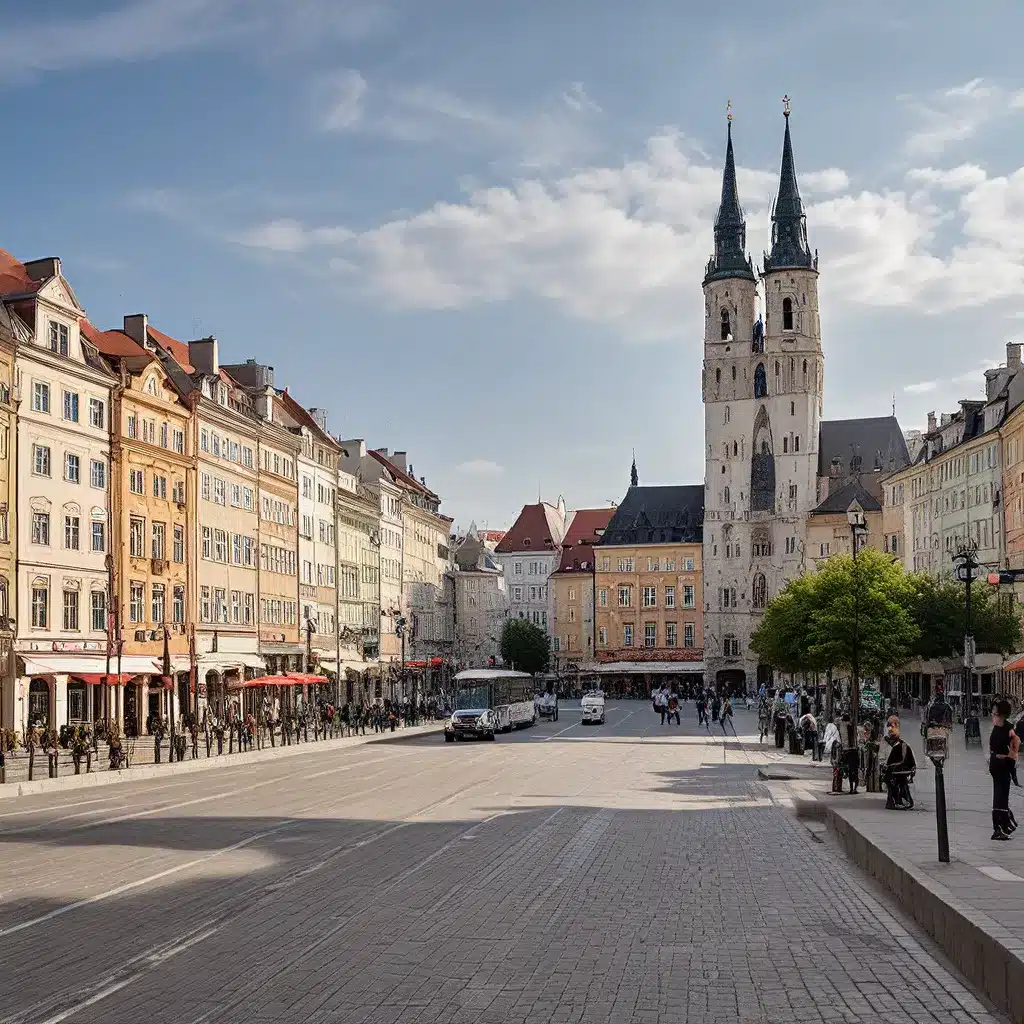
(921, 388)
(956, 114)
(480, 467)
(288, 235)
(558, 130)
(952, 178)
(340, 102)
(139, 30)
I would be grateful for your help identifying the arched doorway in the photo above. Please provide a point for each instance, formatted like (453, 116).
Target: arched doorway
(39, 705)
(213, 694)
(731, 682)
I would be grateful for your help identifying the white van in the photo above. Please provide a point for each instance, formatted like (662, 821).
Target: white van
(592, 705)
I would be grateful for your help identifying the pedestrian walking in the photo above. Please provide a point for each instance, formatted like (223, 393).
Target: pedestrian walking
(673, 708)
(1003, 748)
(726, 716)
(850, 758)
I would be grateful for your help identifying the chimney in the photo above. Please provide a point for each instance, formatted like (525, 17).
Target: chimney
(44, 269)
(400, 459)
(931, 422)
(252, 374)
(1013, 355)
(136, 326)
(945, 418)
(320, 415)
(202, 355)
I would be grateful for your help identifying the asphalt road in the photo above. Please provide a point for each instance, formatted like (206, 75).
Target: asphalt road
(624, 872)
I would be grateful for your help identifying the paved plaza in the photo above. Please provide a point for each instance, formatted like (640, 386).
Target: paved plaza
(627, 872)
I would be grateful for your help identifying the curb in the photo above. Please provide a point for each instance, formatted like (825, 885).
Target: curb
(13, 790)
(988, 955)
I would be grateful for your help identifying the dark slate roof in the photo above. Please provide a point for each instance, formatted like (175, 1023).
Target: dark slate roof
(789, 226)
(730, 259)
(658, 515)
(874, 439)
(842, 499)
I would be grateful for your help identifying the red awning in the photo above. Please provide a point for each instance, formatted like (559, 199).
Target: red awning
(298, 678)
(433, 663)
(99, 678)
(286, 680)
(1016, 665)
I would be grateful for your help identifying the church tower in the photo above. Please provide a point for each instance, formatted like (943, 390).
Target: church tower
(762, 406)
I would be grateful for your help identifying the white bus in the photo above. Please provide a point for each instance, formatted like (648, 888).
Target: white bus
(507, 694)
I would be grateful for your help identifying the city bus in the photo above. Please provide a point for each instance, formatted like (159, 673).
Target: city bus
(507, 695)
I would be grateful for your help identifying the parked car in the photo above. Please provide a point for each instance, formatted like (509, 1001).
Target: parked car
(547, 706)
(472, 723)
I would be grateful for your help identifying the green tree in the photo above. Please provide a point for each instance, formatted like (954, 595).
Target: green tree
(823, 619)
(938, 606)
(524, 646)
(860, 610)
(781, 638)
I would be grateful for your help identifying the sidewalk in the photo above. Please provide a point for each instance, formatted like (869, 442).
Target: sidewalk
(143, 766)
(973, 906)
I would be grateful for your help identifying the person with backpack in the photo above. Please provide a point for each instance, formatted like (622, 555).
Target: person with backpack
(673, 708)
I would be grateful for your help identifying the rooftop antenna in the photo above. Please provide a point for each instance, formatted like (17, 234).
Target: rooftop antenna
(894, 403)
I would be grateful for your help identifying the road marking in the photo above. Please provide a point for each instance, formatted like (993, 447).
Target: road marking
(138, 883)
(58, 807)
(95, 998)
(999, 874)
(553, 735)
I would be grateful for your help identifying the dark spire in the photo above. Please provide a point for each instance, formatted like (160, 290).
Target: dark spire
(730, 259)
(634, 480)
(789, 225)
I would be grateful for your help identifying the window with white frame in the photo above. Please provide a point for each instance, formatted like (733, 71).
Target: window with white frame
(40, 604)
(71, 603)
(627, 635)
(137, 481)
(98, 473)
(40, 527)
(650, 634)
(72, 468)
(158, 603)
(602, 636)
(40, 397)
(159, 486)
(670, 597)
(98, 611)
(97, 413)
(99, 535)
(71, 531)
(59, 338)
(625, 596)
(137, 537)
(137, 602)
(650, 597)
(41, 459)
(71, 406)
(159, 547)
(671, 634)
(602, 597)
(178, 605)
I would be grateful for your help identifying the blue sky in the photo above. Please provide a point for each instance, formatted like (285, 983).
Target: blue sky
(476, 231)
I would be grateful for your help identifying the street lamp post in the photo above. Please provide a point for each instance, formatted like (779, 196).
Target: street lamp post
(966, 563)
(858, 528)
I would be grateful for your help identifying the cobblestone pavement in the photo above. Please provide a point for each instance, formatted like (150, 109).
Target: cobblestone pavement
(630, 872)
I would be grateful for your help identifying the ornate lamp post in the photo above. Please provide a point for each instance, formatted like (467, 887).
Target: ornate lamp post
(858, 530)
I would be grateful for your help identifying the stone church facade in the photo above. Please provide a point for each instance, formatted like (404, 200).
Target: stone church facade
(762, 389)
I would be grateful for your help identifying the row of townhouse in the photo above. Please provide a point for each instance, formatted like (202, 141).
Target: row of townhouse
(179, 518)
(962, 488)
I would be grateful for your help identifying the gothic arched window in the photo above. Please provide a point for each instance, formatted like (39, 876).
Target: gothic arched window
(734, 372)
(764, 447)
(805, 367)
(718, 375)
(726, 328)
(776, 367)
(735, 449)
(759, 591)
(787, 314)
(725, 495)
(760, 382)
(796, 443)
(785, 446)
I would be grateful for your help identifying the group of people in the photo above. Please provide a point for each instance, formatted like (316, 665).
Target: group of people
(710, 707)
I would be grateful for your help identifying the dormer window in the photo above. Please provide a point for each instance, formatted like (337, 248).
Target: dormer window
(726, 329)
(222, 395)
(58, 338)
(151, 386)
(526, 542)
(787, 314)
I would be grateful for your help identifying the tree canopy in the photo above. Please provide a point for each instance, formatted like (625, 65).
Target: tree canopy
(889, 615)
(524, 646)
(821, 619)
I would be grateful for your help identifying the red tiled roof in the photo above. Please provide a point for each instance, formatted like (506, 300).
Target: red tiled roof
(536, 529)
(14, 279)
(177, 350)
(578, 546)
(402, 476)
(112, 343)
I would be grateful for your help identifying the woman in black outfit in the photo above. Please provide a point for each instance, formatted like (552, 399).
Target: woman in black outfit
(1003, 746)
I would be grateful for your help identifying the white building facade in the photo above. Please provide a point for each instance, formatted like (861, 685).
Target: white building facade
(528, 554)
(63, 458)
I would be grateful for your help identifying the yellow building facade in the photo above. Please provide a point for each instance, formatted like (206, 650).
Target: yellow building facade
(152, 481)
(8, 505)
